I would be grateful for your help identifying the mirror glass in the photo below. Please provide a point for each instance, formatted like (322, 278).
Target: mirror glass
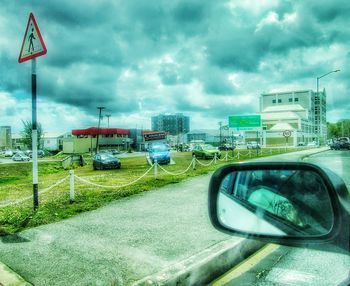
(275, 202)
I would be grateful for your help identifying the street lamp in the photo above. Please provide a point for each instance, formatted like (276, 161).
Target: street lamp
(100, 108)
(108, 116)
(320, 110)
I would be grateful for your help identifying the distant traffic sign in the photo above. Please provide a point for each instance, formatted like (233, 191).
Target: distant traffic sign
(245, 122)
(33, 45)
(287, 133)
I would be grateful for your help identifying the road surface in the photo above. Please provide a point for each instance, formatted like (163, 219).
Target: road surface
(131, 239)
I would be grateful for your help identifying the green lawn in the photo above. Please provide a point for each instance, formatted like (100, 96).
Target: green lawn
(54, 205)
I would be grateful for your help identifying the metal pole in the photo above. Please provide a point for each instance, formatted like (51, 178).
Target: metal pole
(155, 169)
(257, 143)
(98, 128)
(34, 138)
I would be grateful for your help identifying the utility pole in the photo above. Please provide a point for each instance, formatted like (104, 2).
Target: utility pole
(319, 130)
(108, 116)
(220, 124)
(99, 123)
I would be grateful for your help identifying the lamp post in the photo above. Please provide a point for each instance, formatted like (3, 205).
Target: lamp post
(220, 125)
(108, 116)
(100, 108)
(320, 110)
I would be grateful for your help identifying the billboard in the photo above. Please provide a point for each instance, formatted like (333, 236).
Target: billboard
(245, 122)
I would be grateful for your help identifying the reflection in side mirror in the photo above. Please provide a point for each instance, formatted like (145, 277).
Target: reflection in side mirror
(277, 202)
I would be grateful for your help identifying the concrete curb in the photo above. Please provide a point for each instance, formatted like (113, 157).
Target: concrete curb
(202, 268)
(10, 278)
(316, 152)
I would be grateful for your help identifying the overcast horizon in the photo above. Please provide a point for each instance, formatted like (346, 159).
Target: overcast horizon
(205, 59)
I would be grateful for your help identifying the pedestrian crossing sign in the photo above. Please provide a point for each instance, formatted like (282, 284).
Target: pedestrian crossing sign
(33, 45)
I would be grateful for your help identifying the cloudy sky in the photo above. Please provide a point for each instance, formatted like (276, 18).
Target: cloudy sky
(206, 59)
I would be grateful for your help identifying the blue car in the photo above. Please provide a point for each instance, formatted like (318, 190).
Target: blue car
(159, 152)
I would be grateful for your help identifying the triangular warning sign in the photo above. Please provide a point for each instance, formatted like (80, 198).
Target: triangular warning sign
(33, 45)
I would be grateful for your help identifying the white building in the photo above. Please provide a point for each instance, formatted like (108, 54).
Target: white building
(301, 112)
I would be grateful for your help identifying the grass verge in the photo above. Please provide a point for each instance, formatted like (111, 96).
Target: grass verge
(54, 205)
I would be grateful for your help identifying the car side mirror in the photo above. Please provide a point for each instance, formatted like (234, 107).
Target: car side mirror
(284, 203)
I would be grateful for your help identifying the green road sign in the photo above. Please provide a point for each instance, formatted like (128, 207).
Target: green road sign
(245, 122)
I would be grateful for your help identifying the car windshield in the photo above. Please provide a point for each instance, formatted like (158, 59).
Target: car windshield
(106, 156)
(159, 148)
(130, 108)
(208, 147)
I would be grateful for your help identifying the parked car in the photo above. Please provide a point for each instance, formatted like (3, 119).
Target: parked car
(226, 147)
(20, 156)
(105, 161)
(344, 143)
(205, 151)
(41, 153)
(253, 145)
(301, 143)
(8, 153)
(159, 152)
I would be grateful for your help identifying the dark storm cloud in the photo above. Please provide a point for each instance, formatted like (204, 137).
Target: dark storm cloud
(193, 47)
(216, 81)
(211, 108)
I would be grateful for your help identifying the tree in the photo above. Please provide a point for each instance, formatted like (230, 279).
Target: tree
(339, 129)
(27, 133)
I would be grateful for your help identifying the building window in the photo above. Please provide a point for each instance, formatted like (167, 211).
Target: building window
(290, 99)
(296, 99)
(280, 100)
(274, 101)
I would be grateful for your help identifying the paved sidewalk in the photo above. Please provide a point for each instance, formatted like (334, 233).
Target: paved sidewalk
(129, 240)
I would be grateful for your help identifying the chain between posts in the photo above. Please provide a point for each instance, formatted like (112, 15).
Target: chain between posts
(31, 197)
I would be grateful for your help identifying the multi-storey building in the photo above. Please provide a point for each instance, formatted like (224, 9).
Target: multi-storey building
(303, 112)
(174, 124)
(5, 137)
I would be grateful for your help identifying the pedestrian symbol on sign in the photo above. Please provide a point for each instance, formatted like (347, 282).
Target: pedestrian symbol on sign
(30, 39)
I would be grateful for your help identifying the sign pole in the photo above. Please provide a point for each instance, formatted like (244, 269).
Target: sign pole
(34, 138)
(33, 46)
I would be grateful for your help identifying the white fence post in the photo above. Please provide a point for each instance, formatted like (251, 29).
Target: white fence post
(238, 155)
(226, 157)
(215, 158)
(250, 154)
(155, 169)
(71, 186)
(194, 162)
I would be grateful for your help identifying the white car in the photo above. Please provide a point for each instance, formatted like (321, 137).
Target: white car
(253, 145)
(20, 157)
(8, 153)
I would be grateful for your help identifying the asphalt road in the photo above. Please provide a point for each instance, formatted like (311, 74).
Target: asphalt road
(123, 242)
(323, 265)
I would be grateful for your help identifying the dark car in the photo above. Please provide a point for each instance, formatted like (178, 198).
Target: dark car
(344, 143)
(340, 143)
(41, 153)
(105, 161)
(227, 147)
